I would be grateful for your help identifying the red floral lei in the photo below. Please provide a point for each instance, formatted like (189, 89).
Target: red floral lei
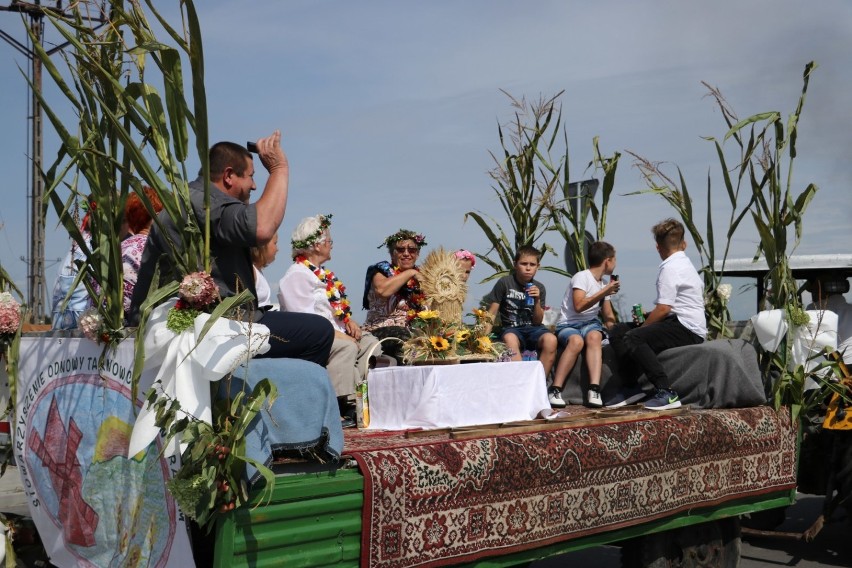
(412, 294)
(334, 290)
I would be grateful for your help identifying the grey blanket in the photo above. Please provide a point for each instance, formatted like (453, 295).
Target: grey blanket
(723, 373)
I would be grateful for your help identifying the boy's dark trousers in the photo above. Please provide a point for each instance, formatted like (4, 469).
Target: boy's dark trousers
(637, 347)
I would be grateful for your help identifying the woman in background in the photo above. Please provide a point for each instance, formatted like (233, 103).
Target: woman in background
(261, 257)
(466, 260)
(139, 222)
(68, 305)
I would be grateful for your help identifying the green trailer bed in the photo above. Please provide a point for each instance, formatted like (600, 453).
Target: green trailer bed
(317, 518)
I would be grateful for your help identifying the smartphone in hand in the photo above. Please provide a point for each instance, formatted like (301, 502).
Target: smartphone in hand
(251, 147)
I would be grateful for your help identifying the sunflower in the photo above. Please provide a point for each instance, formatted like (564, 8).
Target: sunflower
(439, 343)
(462, 335)
(427, 314)
(483, 344)
(480, 314)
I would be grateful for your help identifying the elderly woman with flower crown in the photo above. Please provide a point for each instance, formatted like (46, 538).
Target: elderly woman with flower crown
(308, 287)
(392, 289)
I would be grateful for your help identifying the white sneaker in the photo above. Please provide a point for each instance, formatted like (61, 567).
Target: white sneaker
(594, 398)
(555, 398)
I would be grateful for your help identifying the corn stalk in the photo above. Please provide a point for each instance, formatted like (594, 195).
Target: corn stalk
(129, 133)
(529, 182)
(762, 177)
(524, 180)
(571, 225)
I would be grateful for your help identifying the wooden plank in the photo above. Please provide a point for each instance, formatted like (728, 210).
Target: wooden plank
(582, 420)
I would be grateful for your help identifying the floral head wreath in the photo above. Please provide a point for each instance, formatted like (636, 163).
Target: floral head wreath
(404, 235)
(463, 254)
(310, 240)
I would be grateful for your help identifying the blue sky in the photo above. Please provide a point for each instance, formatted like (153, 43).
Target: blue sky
(389, 110)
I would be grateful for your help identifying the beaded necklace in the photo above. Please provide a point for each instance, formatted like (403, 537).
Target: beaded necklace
(335, 291)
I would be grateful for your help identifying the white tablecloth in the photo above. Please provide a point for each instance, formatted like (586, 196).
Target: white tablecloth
(440, 396)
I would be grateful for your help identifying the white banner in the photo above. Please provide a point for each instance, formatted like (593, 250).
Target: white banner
(92, 505)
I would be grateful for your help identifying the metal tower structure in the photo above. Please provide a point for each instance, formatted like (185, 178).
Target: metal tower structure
(35, 12)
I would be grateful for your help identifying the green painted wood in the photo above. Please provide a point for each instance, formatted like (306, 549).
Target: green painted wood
(311, 520)
(307, 485)
(318, 528)
(304, 555)
(302, 508)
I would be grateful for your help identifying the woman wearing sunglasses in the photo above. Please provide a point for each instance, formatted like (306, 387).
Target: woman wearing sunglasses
(392, 289)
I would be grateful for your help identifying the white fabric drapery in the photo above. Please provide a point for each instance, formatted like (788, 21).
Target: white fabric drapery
(185, 366)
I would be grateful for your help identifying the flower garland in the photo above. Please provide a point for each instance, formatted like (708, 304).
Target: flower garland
(411, 293)
(310, 240)
(404, 235)
(334, 289)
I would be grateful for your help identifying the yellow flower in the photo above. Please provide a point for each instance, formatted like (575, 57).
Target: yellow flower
(439, 343)
(483, 344)
(462, 335)
(479, 314)
(428, 314)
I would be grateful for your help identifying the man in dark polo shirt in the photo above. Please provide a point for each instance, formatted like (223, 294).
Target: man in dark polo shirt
(236, 225)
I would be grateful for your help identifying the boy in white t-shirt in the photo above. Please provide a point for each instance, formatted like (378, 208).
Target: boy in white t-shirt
(580, 327)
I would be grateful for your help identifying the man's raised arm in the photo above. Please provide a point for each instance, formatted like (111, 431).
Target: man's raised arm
(273, 201)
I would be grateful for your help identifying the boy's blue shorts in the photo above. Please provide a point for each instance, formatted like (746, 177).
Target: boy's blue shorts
(528, 335)
(581, 328)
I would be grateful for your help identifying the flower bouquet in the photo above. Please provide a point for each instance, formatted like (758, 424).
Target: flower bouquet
(473, 342)
(10, 319)
(716, 308)
(94, 327)
(432, 339)
(197, 292)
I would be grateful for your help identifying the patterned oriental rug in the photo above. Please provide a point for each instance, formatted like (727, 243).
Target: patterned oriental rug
(431, 500)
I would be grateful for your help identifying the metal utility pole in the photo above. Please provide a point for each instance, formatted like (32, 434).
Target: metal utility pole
(36, 287)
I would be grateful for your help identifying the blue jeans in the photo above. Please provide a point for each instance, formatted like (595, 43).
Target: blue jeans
(528, 335)
(581, 328)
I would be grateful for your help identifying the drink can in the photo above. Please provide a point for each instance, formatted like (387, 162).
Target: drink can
(530, 299)
(637, 311)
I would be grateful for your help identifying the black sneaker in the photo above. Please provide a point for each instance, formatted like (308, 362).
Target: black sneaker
(664, 399)
(625, 397)
(555, 398)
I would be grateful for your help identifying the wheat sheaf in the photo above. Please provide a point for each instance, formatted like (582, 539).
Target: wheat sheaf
(441, 280)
